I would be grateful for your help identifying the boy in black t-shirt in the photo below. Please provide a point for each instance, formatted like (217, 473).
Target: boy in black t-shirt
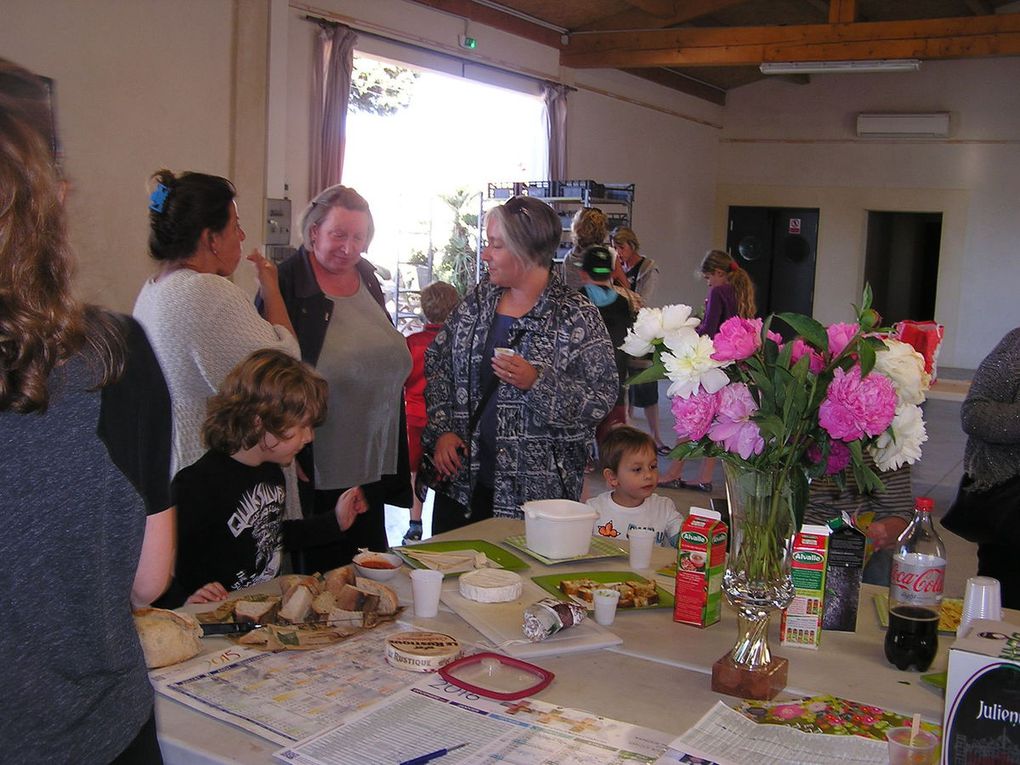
(230, 504)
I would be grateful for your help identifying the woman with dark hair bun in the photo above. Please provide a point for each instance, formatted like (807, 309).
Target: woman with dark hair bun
(85, 433)
(200, 323)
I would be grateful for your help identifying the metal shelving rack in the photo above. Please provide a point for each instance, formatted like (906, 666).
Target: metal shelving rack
(566, 197)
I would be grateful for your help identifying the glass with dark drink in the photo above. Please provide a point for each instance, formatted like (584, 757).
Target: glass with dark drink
(912, 637)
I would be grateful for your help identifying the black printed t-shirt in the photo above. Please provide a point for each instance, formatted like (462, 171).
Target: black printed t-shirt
(231, 527)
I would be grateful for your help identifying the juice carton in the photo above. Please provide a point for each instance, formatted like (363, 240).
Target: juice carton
(843, 575)
(701, 561)
(801, 624)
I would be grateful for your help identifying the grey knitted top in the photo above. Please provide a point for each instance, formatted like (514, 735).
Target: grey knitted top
(991, 416)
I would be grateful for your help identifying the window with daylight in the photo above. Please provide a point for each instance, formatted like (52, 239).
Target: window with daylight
(422, 147)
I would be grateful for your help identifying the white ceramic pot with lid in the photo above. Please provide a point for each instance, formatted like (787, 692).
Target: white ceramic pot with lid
(558, 528)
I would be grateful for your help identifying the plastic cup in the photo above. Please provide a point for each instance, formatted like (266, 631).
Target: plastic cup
(903, 751)
(641, 543)
(501, 351)
(981, 600)
(426, 585)
(605, 605)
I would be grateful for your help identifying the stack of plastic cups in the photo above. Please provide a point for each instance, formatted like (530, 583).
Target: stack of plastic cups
(982, 600)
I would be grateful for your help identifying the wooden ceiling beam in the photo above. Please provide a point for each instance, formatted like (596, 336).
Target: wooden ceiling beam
(646, 19)
(842, 11)
(681, 83)
(982, 36)
(505, 22)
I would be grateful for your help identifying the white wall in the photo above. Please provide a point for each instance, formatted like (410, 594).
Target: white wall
(794, 145)
(140, 85)
(620, 129)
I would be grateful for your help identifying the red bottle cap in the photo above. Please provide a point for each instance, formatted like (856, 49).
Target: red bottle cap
(927, 504)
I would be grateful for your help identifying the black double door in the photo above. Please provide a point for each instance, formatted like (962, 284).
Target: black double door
(777, 247)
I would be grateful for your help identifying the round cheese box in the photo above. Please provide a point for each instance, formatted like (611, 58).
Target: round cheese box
(421, 651)
(491, 585)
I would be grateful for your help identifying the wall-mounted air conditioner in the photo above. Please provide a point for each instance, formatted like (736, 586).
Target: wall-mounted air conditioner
(934, 125)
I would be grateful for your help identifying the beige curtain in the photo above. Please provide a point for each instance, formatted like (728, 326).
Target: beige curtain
(331, 89)
(556, 128)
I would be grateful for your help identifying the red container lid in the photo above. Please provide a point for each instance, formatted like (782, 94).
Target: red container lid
(924, 503)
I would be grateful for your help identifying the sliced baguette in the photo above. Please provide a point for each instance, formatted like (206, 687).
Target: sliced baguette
(338, 578)
(256, 611)
(388, 604)
(297, 604)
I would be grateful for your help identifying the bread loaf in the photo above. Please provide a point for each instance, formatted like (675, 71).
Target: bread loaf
(167, 637)
(388, 603)
(297, 604)
(256, 611)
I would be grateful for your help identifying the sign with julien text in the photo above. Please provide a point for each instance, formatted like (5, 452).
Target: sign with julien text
(982, 717)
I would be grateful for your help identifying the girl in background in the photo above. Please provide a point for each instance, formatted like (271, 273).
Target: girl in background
(730, 293)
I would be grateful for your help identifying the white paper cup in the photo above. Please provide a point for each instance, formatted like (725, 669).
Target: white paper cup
(641, 543)
(503, 351)
(605, 605)
(903, 751)
(426, 586)
(981, 600)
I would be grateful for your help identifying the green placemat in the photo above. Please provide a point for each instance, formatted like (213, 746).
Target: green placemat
(504, 558)
(600, 548)
(949, 613)
(551, 583)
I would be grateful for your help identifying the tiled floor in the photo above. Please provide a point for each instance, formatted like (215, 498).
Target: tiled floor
(936, 475)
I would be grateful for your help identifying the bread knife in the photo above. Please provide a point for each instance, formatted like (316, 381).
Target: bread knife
(228, 628)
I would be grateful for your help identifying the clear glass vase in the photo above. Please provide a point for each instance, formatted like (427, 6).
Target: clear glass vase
(757, 579)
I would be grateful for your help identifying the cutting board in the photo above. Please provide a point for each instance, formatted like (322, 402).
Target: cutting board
(501, 622)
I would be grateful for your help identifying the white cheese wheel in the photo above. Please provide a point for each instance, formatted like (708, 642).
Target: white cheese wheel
(491, 585)
(421, 651)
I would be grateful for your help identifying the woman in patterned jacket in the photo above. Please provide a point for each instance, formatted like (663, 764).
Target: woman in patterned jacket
(508, 427)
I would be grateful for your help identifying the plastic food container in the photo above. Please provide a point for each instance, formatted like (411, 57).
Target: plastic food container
(558, 528)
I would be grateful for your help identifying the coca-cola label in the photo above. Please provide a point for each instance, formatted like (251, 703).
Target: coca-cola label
(917, 580)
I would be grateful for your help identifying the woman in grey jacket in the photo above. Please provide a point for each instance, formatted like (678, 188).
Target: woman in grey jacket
(991, 420)
(507, 428)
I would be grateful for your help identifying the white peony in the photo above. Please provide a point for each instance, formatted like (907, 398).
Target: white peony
(672, 324)
(905, 367)
(903, 444)
(690, 365)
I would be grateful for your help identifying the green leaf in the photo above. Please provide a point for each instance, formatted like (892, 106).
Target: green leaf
(655, 372)
(812, 331)
(866, 298)
(866, 354)
(771, 425)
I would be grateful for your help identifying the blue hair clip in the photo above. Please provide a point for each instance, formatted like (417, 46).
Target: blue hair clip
(157, 200)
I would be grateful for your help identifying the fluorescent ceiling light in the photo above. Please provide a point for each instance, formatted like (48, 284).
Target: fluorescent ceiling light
(827, 67)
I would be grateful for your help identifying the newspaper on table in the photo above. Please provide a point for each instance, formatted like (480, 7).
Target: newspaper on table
(726, 737)
(433, 715)
(288, 696)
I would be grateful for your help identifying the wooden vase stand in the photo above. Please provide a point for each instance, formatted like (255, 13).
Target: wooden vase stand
(762, 684)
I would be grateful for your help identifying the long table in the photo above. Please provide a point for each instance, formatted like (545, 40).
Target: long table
(659, 677)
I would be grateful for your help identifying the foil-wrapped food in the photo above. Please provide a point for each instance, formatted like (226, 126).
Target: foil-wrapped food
(548, 616)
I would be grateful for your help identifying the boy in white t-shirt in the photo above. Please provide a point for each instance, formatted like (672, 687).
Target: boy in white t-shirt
(631, 469)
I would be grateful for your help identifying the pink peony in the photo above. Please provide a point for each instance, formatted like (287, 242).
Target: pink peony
(733, 426)
(816, 364)
(694, 414)
(839, 456)
(737, 339)
(775, 337)
(839, 336)
(854, 408)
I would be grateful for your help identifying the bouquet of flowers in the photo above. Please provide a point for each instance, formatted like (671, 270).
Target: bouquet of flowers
(802, 408)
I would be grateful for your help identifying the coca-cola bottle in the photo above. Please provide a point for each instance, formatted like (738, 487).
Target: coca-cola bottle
(915, 592)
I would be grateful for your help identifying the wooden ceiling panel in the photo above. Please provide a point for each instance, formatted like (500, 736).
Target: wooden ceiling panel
(707, 47)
